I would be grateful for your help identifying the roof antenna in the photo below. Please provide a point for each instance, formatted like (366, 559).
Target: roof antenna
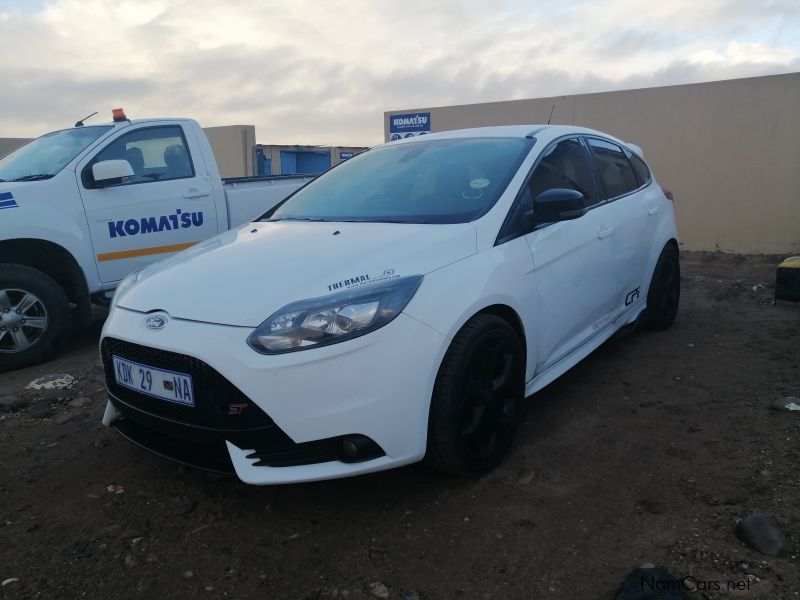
(551, 113)
(80, 123)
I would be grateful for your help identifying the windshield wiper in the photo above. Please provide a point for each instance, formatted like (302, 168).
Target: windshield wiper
(34, 177)
(406, 221)
(314, 219)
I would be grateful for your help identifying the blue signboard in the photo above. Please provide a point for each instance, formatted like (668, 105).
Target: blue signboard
(410, 123)
(345, 155)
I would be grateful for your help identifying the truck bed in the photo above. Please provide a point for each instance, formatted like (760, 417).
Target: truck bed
(249, 197)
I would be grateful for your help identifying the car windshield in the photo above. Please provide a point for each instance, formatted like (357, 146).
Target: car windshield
(432, 181)
(45, 156)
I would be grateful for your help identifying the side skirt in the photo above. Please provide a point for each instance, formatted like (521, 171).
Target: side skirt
(573, 358)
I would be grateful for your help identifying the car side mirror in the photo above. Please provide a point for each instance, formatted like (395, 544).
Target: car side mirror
(558, 204)
(110, 172)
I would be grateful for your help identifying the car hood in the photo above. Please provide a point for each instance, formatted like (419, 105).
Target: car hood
(244, 275)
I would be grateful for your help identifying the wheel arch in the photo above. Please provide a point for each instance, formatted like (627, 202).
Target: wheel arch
(510, 316)
(504, 311)
(51, 259)
(443, 451)
(657, 250)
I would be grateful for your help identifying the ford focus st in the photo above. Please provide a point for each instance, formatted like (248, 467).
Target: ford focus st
(398, 308)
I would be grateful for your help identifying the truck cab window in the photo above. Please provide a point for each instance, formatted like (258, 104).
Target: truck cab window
(154, 153)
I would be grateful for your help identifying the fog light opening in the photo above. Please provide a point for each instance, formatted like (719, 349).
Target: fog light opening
(350, 448)
(358, 448)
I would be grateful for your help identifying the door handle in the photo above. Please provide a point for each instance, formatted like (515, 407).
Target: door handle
(195, 193)
(653, 210)
(604, 233)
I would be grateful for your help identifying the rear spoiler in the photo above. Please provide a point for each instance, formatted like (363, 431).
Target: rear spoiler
(635, 148)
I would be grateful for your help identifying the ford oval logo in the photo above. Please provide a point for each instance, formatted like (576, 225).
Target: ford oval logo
(156, 322)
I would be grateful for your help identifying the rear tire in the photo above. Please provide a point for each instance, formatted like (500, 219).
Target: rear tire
(475, 406)
(35, 316)
(664, 295)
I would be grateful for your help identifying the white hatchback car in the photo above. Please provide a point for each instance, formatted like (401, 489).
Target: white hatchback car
(399, 307)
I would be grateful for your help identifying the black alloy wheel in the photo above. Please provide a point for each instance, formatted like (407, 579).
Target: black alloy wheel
(475, 407)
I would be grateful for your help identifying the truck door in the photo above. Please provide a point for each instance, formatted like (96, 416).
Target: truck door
(167, 206)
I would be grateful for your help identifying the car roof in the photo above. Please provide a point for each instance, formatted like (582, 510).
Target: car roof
(512, 131)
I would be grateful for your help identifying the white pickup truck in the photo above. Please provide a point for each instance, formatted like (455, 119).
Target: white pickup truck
(81, 208)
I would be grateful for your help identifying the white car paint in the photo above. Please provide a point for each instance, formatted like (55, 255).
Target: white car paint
(359, 249)
(571, 285)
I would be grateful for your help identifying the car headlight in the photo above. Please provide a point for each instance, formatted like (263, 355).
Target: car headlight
(333, 318)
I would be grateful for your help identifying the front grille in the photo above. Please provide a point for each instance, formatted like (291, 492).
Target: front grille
(219, 404)
(196, 435)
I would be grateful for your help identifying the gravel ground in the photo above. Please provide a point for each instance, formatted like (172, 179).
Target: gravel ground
(648, 451)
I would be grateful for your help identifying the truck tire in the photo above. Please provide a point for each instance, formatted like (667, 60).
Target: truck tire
(35, 316)
(475, 408)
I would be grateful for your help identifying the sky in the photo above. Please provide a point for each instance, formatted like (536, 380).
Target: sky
(324, 73)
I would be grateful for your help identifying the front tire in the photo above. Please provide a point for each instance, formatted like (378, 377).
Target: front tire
(476, 400)
(665, 291)
(35, 316)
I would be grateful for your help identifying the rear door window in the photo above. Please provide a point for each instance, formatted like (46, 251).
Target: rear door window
(613, 168)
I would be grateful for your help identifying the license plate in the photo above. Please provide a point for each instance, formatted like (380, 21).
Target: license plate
(159, 383)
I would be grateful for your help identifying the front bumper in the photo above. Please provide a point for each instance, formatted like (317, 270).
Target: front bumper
(303, 403)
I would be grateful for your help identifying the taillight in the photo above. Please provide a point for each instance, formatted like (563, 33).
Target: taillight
(668, 194)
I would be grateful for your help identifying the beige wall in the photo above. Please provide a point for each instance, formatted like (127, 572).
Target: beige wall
(9, 144)
(233, 147)
(729, 150)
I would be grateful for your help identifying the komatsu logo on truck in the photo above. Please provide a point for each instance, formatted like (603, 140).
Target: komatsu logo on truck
(179, 220)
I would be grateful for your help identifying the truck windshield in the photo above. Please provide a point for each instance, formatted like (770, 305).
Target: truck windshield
(432, 181)
(45, 156)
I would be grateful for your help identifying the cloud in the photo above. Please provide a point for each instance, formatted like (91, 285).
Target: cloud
(316, 73)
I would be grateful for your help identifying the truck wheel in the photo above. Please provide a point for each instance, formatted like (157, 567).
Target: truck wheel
(475, 406)
(34, 316)
(665, 291)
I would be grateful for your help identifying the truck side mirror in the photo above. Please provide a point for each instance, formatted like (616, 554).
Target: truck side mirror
(558, 204)
(110, 172)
